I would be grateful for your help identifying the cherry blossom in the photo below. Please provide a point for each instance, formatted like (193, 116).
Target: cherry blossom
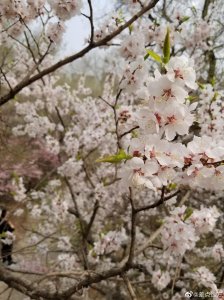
(179, 70)
(66, 9)
(177, 236)
(160, 279)
(55, 31)
(8, 238)
(139, 173)
(165, 90)
(218, 252)
(133, 46)
(114, 166)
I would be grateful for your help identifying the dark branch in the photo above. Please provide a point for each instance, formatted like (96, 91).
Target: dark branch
(91, 21)
(159, 202)
(89, 226)
(129, 131)
(133, 230)
(76, 56)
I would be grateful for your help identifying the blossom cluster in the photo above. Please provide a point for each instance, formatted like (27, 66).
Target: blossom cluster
(66, 9)
(218, 252)
(16, 16)
(8, 238)
(158, 159)
(160, 279)
(109, 242)
(28, 9)
(151, 119)
(181, 232)
(210, 112)
(19, 191)
(205, 278)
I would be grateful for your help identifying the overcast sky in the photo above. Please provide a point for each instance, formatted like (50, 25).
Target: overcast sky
(78, 28)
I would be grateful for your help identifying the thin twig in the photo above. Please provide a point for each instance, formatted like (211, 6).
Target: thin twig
(93, 216)
(91, 21)
(129, 287)
(76, 56)
(127, 132)
(5, 77)
(133, 230)
(159, 202)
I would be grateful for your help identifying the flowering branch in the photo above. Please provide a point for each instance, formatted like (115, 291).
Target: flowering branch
(81, 222)
(159, 202)
(129, 287)
(114, 108)
(76, 56)
(129, 131)
(93, 216)
(91, 22)
(133, 229)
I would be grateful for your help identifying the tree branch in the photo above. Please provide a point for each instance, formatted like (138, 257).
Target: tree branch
(159, 202)
(133, 230)
(127, 132)
(129, 287)
(93, 216)
(76, 56)
(91, 22)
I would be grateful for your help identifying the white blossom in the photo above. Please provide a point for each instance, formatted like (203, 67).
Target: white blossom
(160, 279)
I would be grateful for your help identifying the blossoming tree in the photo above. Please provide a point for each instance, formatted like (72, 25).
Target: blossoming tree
(122, 192)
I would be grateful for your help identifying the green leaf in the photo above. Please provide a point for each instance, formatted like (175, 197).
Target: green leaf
(201, 86)
(166, 47)
(184, 19)
(213, 81)
(154, 55)
(130, 27)
(172, 186)
(120, 19)
(192, 98)
(215, 96)
(94, 254)
(134, 134)
(194, 10)
(3, 235)
(188, 212)
(15, 176)
(114, 159)
(79, 156)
